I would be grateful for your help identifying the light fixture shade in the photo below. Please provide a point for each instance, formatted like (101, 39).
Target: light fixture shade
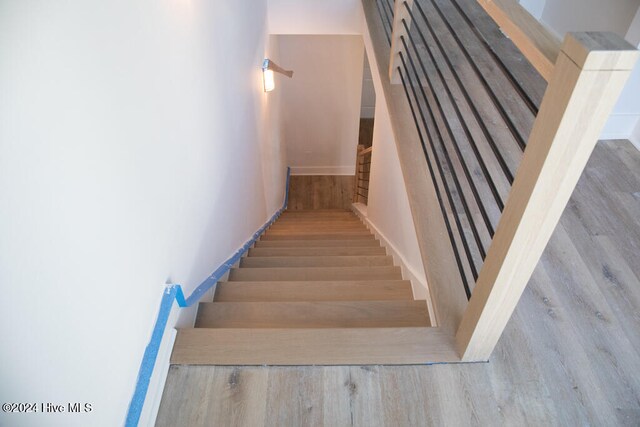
(268, 80)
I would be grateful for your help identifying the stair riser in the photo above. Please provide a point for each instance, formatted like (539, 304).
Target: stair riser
(317, 212)
(318, 251)
(317, 236)
(317, 230)
(332, 314)
(317, 261)
(374, 290)
(317, 243)
(338, 221)
(349, 217)
(338, 216)
(319, 226)
(315, 273)
(331, 346)
(294, 220)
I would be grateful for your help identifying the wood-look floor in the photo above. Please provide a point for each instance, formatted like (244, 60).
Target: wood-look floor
(569, 356)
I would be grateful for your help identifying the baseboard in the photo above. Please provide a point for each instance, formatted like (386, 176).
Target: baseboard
(418, 281)
(323, 170)
(160, 371)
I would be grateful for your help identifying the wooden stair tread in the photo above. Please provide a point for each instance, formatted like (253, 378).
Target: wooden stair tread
(311, 220)
(332, 217)
(317, 214)
(313, 314)
(319, 222)
(306, 211)
(316, 243)
(315, 273)
(321, 226)
(317, 232)
(316, 251)
(318, 236)
(316, 261)
(314, 291)
(325, 217)
(322, 346)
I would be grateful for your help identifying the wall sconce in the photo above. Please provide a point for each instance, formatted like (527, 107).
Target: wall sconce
(268, 68)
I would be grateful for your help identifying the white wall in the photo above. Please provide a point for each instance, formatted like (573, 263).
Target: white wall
(534, 7)
(626, 113)
(315, 17)
(130, 141)
(562, 16)
(618, 16)
(388, 205)
(272, 146)
(321, 103)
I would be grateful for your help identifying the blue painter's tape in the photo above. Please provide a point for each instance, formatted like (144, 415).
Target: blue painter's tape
(150, 355)
(174, 292)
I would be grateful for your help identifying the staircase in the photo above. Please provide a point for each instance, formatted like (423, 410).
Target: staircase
(317, 288)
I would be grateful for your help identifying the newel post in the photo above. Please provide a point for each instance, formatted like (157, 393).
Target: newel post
(588, 77)
(399, 13)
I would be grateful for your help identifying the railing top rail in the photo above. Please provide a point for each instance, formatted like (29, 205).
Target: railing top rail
(539, 45)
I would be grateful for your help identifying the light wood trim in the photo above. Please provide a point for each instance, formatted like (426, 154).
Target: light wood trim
(573, 112)
(539, 45)
(365, 151)
(399, 13)
(596, 51)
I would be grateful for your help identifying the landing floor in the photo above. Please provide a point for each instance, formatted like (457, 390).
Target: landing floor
(569, 356)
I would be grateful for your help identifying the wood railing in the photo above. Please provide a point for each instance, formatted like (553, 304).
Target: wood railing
(501, 188)
(363, 170)
(537, 43)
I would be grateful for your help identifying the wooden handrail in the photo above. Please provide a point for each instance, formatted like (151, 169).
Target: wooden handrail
(587, 79)
(538, 44)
